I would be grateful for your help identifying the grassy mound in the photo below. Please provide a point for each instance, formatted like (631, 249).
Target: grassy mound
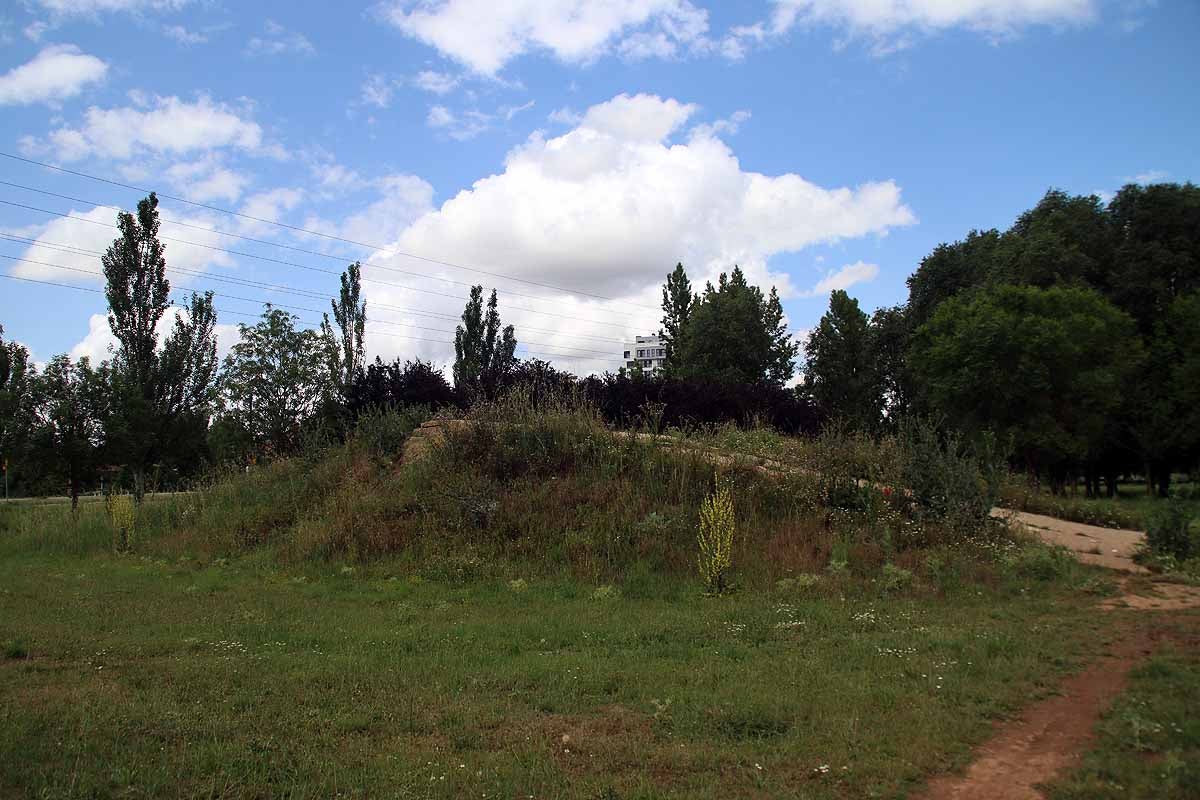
(518, 491)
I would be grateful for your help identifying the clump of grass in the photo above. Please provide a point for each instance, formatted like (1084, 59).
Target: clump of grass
(15, 649)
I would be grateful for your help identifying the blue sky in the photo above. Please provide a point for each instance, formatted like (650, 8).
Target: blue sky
(567, 152)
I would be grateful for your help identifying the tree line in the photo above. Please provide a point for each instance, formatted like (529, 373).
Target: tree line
(162, 409)
(1072, 336)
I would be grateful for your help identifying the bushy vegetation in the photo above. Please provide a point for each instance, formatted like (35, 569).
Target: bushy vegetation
(540, 488)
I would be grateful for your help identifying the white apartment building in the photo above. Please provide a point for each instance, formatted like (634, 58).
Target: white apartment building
(647, 351)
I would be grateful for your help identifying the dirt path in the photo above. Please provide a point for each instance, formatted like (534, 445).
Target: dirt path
(1105, 547)
(1049, 737)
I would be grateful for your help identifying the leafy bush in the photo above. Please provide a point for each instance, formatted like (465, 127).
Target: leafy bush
(800, 583)
(1043, 563)
(895, 579)
(606, 592)
(383, 430)
(948, 481)
(1169, 530)
(15, 649)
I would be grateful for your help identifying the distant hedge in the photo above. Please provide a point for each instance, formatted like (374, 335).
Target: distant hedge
(622, 398)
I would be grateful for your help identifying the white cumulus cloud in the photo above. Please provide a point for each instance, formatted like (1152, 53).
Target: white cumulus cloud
(59, 241)
(56, 73)
(171, 126)
(399, 200)
(892, 24)
(99, 343)
(484, 35)
(607, 208)
(844, 278)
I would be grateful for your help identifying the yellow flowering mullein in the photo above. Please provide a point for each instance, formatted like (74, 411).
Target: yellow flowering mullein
(716, 538)
(122, 515)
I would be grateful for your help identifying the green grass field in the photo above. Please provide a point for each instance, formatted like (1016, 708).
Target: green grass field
(127, 676)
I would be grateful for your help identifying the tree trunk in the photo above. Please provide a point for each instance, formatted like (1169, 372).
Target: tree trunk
(74, 487)
(1110, 484)
(1164, 481)
(139, 484)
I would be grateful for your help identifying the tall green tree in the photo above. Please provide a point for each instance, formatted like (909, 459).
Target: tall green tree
(272, 383)
(1063, 240)
(1167, 394)
(161, 397)
(677, 303)
(1157, 258)
(840, 371)
(344, 351)
(483, 352)
(71, 407)
(1042, 367)
(736, 334)
(950, 269)
(17, 374)
(891, 332)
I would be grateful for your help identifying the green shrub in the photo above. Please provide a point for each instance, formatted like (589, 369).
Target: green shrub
(15, 649)
(606, 592)
(1169, 530)
(949, 482)
(383, 431)
(895, 579)
(1043, 563)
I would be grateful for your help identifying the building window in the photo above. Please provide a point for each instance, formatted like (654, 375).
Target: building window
(626, 354)
(641, 353)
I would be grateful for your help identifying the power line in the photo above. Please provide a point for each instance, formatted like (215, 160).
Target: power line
(320, 234)
(305, 309)
(304, 321)
(72, 249)
(310, 268)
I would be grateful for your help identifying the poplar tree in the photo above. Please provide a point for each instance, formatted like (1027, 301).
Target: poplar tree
(16, 376)
(677, 304)
(161, 396)
(483, 353)
(344, 352)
